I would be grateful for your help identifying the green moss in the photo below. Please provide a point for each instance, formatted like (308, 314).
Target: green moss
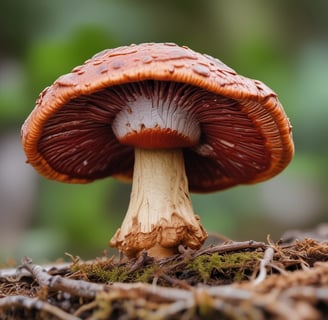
(116, 274)
(102, 272)
(207, 268)
(224, 265)
(146, 275)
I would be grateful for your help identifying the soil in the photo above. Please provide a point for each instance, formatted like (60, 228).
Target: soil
(229, 280)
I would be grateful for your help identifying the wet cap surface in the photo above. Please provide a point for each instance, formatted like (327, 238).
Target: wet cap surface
(244, 135)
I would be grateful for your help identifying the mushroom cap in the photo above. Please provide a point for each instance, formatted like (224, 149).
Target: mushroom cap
(245, 134)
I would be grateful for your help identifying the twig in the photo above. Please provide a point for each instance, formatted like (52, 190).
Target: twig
(229, 292)
(86, 307)
(267, 259)
(233, 246)
(174, 308)
(34, 303)
(77, 287)
(15, 274)
(176, 282)
(277, 307)
(304, 292)
(143, 260)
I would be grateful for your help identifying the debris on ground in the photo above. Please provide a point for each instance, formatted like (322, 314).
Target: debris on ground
(233, 280)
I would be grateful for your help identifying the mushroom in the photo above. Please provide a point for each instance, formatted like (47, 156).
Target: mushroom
(171, 119)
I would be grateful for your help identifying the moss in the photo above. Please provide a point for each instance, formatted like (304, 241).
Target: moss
(102, 272)
(145, 275)
(216, 265)
(206, 268)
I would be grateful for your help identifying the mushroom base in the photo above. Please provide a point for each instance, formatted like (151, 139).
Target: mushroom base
(160, 215)
(162, 240)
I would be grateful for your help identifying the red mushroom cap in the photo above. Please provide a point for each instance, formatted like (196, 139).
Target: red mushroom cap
(243, 135)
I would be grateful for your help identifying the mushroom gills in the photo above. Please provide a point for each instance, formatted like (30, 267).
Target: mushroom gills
(156, 115)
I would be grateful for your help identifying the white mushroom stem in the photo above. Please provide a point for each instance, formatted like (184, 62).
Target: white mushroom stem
(160, 216)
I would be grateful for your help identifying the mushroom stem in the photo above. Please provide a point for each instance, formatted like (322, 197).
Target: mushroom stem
(160, 216)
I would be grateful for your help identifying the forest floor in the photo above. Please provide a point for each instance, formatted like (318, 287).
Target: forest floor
(229, 280)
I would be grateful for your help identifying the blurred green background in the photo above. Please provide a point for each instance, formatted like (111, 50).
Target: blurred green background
(282, 43)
